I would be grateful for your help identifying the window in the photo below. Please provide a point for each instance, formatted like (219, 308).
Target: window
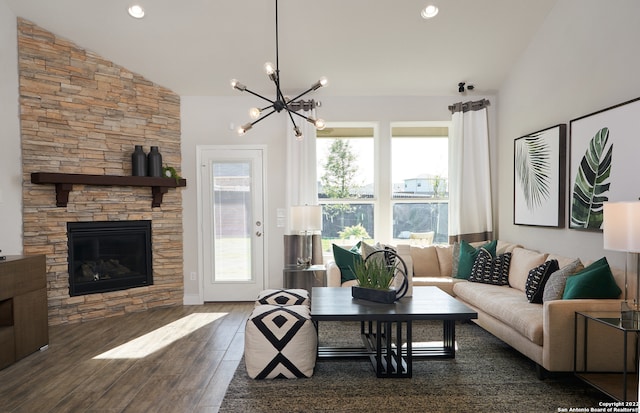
(384, 186)
(346, 187)
(419, 170)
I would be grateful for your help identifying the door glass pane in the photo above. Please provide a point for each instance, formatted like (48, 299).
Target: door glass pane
(232, 221)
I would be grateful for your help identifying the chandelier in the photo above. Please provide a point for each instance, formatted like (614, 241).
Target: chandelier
(281, 102)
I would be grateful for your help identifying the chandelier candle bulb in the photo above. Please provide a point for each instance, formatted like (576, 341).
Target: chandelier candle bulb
(268, 67)
(254, 113)
(244, 128)
(320, 83)
(237, 85)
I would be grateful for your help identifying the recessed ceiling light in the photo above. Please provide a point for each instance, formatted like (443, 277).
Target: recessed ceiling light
(429, 12)
(136, 11)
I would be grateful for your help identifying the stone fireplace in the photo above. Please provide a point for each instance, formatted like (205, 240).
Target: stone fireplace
(82, 114)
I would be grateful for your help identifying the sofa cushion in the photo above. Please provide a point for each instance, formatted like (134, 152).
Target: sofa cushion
(595, 281)
(508, 305)
(522, 261)
(468, 254)
(490, 270)
(538, 276)
(554, 289)
(562, 260)
(445, 259)
(346, 260)
(425, 261)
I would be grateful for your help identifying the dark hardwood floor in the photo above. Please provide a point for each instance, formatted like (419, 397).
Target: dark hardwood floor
(178, 359)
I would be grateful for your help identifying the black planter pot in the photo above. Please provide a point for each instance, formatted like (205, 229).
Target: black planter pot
(371, 294)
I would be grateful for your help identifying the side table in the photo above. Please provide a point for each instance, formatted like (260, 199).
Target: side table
(620, 385)
(295, 276)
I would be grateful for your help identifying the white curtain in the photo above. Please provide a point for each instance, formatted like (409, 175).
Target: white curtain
(301, 165)
(470, 211)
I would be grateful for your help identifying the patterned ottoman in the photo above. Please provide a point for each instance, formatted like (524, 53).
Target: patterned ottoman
(280, 342)
(283, 297)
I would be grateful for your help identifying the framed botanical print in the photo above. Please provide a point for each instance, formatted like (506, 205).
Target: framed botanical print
(539, 178)
(604, 162)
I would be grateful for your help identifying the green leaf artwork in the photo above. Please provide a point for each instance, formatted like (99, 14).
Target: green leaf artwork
(533, 169)
(592, 183)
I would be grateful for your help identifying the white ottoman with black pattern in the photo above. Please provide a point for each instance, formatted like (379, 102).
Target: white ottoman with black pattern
(280, 342)
(290, 296)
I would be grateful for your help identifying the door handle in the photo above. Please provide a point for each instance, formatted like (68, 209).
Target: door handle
(258, 233)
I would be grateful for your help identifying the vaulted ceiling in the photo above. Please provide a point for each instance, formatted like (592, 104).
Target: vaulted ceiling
(364, 47)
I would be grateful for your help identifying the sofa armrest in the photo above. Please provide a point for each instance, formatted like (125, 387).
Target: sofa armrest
(334, 277)
(559, 329)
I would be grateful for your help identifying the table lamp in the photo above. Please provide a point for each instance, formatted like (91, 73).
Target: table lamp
(621, 232)
(305, 220)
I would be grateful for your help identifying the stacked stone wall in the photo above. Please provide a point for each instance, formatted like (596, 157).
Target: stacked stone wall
(81, 113)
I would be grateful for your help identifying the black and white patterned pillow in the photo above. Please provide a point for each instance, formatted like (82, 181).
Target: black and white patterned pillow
(488, 269)
(537, 278)
(383, 258)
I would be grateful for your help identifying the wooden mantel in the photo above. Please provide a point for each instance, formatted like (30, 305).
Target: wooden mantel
(64, 184)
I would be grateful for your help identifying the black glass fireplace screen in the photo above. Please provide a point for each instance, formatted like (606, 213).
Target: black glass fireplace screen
(109, 256)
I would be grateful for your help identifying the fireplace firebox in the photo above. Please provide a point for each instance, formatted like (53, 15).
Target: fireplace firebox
(109, 256)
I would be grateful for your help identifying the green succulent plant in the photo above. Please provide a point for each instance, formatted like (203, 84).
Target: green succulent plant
(374, 274)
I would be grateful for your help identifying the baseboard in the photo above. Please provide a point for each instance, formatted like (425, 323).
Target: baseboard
(192, 299)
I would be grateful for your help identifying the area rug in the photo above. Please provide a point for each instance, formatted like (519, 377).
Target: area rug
(486, 376)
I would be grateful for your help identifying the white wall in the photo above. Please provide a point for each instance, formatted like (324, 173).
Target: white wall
(10, 161)
(584, 58)
(207, 120)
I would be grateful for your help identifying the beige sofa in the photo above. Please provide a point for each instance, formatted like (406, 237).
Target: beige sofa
(542, 332)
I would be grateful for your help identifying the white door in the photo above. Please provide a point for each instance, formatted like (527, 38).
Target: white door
(231, 204)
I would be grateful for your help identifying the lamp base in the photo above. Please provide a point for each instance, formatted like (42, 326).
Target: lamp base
(304, 262)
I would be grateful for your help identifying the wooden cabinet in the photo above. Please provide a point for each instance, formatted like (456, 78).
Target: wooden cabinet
(24, 326)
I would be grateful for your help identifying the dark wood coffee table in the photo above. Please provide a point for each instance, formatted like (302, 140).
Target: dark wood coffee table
(386, 328)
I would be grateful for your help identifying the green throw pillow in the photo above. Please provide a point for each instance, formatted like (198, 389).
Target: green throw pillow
(346, 260)
(468, 256)
(595, 281)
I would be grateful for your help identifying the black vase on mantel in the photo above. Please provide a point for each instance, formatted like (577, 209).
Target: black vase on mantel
(154, 162)
(138, 162)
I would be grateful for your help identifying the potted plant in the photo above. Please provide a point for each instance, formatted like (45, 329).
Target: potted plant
(374, 281)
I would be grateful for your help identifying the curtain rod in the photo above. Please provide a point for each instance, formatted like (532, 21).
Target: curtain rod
(467, 106)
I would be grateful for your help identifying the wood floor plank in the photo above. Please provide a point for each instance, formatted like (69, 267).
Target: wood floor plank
(125, 389)
(214, 393)
(103, 366)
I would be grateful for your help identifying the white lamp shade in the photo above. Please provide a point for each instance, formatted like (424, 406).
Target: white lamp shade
(621, 226)
(306, 218)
